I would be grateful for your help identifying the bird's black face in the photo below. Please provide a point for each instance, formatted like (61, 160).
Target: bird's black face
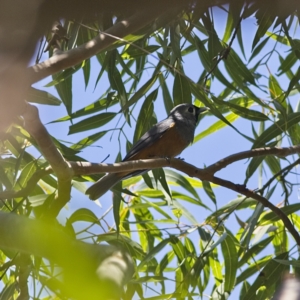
(187, 111)
(197, 111)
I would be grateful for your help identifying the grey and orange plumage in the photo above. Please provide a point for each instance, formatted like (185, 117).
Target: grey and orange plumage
(167, 138)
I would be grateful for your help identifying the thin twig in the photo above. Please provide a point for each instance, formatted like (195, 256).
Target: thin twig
(279, 173)
(224, 54)
(277, 151)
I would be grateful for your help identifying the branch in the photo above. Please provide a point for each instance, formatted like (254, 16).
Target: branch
(202, 174)
(283, 172)
(277, 151)
(88, 269)
(67, 59)
(31, 183)
(265, 202)
(59, 165)
(87, 168)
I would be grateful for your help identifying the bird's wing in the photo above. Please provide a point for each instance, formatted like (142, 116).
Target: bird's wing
(150, 137)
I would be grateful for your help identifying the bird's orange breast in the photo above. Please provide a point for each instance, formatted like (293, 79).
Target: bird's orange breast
(170, 144)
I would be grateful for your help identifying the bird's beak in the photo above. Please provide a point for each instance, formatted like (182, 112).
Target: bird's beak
(200, 110)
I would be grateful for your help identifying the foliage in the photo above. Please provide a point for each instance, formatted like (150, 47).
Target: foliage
(184, 243)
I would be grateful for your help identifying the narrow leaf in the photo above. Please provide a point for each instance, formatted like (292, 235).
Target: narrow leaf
(276, 129)
(231, 262)
(181, 90)
(41, 97)
(92, 122)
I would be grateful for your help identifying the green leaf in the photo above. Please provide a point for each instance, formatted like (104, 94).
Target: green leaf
(141, 92)
(258, 49)
(203, 54)
(145, 119)
(269, 277)
(87, 141)
(97, 106)
(215, 127)
(229, 24)
(64, 88)
(180, 252)
(271, 217)
(86, 67)
(185, 212)
(237, 70)
(5, 179)
(216, 267)
(133, 52)
(198, 92)
(252, 223)
(273, 163)
(116, 82)
(105, 62)
(294, 81)
(181, 181)
(236, 204)
(209, 191)
(276, 92)
(265, 20)
(41, 97)
(82, 214)
(92, 122)
(175, 40)
(40, 199)
(153, 252)
(276, 129)
(166, 94)
(214, 45)
(181, 90)
(248, 254)
(252, 269)
(294, 263)
(26, 174)
(220, 76)
(287, 63)
(180, 196)
(126, 67)
(212, 246)
(62, 76)
(279, 38)
(253, 166)
(230, 261)
(160, 176)
(244, 112)
(117, 198)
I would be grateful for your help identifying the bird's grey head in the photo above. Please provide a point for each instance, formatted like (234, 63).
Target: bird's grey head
(187, 111)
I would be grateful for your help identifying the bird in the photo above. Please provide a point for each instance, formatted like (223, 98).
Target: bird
(168, 138)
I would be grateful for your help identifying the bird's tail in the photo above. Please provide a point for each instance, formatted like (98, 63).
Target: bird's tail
(102, 185)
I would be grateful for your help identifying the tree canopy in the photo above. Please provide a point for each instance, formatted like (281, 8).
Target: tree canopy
(189, 227)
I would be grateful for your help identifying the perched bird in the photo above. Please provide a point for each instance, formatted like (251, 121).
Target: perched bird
(167, 138)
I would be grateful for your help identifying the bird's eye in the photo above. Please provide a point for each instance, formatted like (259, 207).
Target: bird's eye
(191, 110)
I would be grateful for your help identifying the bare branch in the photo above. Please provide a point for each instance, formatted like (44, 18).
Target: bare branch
(87, 168)
(281, 152)
(203, 174)
(282, 172)
(265, 202)
(59, 165)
